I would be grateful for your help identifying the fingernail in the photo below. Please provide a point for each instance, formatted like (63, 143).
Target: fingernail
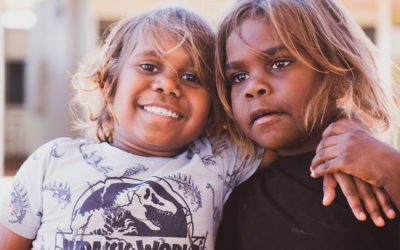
(362, 216)
(380, 221)
(312, 174)
(391, 214)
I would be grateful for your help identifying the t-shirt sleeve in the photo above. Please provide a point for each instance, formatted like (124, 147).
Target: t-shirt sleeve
(236, 167)
(21, 205)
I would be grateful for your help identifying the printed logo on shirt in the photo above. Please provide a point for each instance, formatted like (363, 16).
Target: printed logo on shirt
(126, 213)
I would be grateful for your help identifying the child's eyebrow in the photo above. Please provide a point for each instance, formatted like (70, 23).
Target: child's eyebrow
(155, 54)
(268, 52)
(147, 53)
(274, 50)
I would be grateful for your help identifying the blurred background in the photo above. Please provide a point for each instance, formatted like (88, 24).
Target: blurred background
(42, 41)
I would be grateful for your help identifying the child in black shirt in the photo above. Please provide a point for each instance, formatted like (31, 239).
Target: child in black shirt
(288, 69)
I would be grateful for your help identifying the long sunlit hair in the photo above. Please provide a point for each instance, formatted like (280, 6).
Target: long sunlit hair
(96, 80)
(340, 52)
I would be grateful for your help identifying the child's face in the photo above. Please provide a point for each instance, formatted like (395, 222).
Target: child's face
(159, 104)
(269, 94)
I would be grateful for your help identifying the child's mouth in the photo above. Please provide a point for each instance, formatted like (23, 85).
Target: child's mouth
(161, 111)
(264, 117)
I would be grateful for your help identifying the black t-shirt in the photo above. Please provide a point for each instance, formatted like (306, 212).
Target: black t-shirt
(280, 208)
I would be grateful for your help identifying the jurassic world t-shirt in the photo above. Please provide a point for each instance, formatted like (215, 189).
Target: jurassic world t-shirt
(77, 194)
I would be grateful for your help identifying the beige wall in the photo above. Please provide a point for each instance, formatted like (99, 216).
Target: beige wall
(108, 10)
(16, 47)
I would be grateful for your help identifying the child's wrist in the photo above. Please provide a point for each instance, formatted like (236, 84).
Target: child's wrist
(391, 178)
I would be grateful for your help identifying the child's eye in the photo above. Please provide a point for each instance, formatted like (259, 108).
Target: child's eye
(280, 64)
(191, 78)
(148, 67)
(237, 78)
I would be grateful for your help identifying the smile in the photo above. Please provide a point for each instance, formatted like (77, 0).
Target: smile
(161, 111)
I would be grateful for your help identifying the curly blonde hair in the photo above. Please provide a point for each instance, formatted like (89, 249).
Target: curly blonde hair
(96, 81)
(341, 54)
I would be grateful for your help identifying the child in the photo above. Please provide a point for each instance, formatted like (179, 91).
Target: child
(375, 162)
(287, 69)
(147, 181)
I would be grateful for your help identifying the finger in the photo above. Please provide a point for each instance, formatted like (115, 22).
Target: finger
(342, 126)
(338, 165)
(324, 156)
(336, 128)
(350, 192)
(384, 202)
(322, 169)
(370, 202)
(329, 189)
(355, 122)
(328, 142)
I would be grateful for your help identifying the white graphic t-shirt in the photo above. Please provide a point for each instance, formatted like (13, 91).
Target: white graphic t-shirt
(78, 194)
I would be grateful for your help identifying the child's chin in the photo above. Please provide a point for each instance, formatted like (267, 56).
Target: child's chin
(270, 142)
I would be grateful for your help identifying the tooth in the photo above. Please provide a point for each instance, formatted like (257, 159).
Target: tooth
(160, 111)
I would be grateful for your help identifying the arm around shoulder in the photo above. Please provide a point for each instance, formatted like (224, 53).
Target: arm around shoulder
(11, 241)
(355, 152)
(391, 181)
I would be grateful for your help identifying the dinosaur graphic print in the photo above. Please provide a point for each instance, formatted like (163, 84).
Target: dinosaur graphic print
(127, 213)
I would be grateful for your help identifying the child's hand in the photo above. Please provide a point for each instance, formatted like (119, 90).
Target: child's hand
(355, 191)
(347, 147)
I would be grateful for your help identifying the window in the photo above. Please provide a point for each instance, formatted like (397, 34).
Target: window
(14, 74)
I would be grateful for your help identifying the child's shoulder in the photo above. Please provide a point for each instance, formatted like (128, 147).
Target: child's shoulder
(210, 141)
(62, 143)
(67, 141)
(211, 145)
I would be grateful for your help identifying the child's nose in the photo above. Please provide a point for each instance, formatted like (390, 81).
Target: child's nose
(256, 89)
(167, 86)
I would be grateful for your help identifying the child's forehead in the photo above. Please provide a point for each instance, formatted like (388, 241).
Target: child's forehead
(157, 47)
(257, 36)
(161, 47)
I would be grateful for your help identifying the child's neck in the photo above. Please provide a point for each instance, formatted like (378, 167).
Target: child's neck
(310, 141)
(308, 144)
(143, 151)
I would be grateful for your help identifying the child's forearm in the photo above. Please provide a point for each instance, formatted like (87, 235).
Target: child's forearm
(394, 194)
(391, 182)
(10, 240)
